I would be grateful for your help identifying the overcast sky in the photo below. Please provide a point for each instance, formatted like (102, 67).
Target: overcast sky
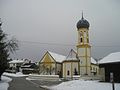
(42, 25)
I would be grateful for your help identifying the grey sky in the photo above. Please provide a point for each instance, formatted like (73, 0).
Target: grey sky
(34, 22)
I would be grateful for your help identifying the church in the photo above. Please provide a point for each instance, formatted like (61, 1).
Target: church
(78, 62)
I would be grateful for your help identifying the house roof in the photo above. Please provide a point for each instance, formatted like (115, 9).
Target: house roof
(72, 55)
(28, 65)
(93, 61)
(17, 61)
(111, 58)
(57, 57)
(61, 58)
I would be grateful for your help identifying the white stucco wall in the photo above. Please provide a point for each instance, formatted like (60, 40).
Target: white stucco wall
(70, 66)
(59, 68)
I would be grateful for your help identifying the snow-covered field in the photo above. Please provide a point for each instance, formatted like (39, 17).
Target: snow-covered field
(84, 85)
(4, 83)
(19, 74)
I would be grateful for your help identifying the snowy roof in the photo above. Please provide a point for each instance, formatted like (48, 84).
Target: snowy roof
(93, 61)
(61, 58)
(72, 55)
(17, 61)
(26, 66)
(113, 57)
(57, 57)
(71, 59)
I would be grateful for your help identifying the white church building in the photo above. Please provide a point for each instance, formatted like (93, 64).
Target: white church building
(78, 62)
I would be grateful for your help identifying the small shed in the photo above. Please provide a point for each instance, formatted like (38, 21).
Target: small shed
(110, 64)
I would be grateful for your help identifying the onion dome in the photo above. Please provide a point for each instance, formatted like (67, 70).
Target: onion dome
(83, 23)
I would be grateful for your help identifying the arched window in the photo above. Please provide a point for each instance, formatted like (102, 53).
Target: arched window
(68, 72)
(75, 72)
(81, 40)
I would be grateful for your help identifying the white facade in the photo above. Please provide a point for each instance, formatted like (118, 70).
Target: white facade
(15, 65)
(70, 68)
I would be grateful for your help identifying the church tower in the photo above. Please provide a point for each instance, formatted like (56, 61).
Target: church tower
(83, 46)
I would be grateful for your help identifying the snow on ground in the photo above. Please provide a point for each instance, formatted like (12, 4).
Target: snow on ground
(4, 83)
(19, 74)
(84, 85)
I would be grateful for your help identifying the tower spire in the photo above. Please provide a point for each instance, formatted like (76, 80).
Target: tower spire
(83, 23)
(82, 15)
(0, 22)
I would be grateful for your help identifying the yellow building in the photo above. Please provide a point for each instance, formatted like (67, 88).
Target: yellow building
(51, 64)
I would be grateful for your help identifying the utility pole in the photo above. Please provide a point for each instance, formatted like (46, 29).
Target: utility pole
(112, 80)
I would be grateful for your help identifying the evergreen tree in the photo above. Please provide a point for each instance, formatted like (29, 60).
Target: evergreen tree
(6, 46)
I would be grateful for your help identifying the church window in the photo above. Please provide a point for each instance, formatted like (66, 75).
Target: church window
(75, 72)
(68, 72)
(81, 40)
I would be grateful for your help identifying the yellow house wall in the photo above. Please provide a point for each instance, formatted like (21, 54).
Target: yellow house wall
(48, 62)
(45, 66)
(47, 58)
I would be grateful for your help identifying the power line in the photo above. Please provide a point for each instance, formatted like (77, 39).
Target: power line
(32, 42)
(61, 44)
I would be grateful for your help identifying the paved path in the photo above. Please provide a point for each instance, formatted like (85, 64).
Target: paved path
(20, 83)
